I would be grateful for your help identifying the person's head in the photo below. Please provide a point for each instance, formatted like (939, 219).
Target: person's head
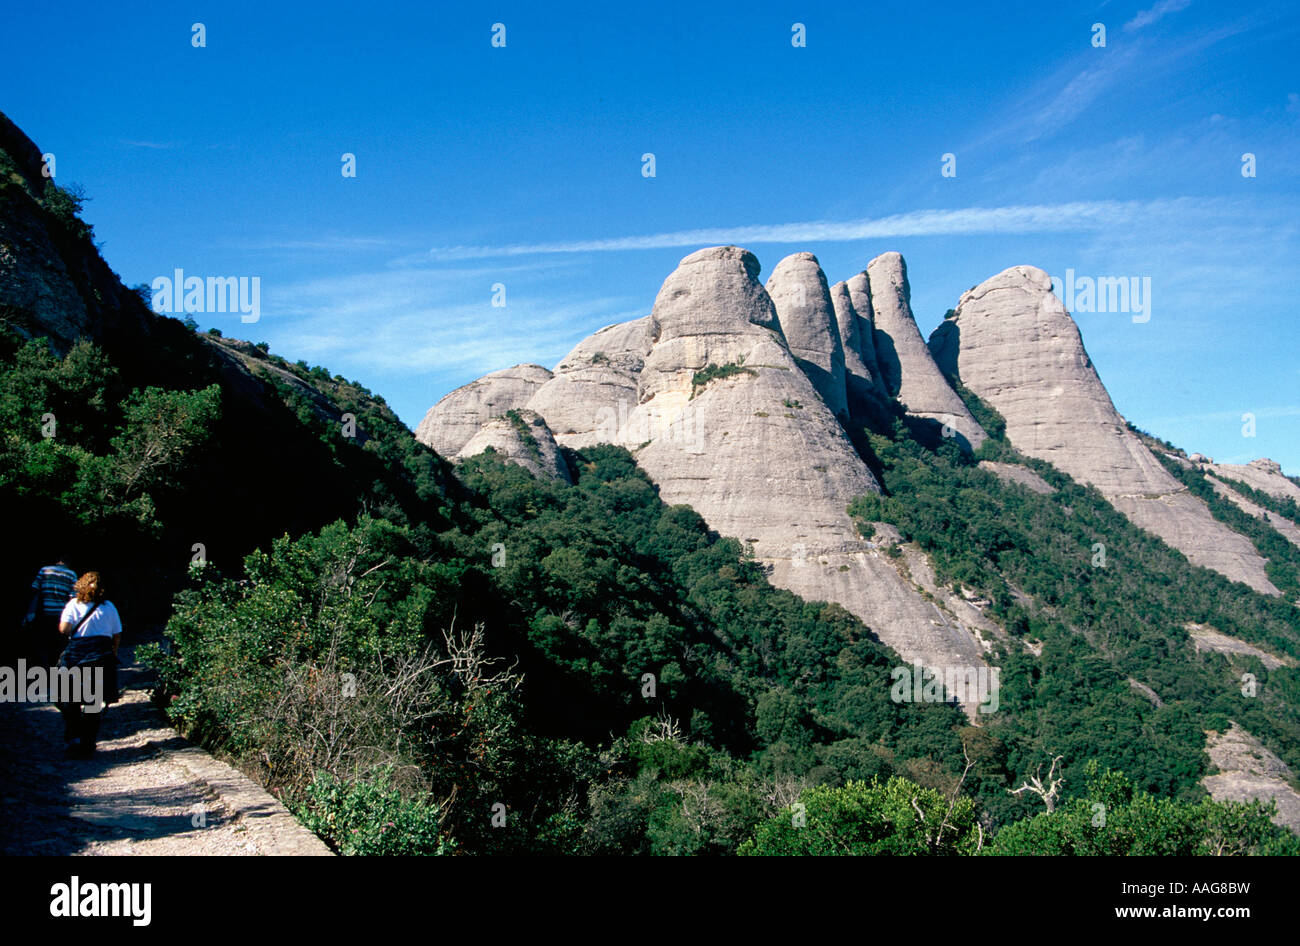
(89, 588)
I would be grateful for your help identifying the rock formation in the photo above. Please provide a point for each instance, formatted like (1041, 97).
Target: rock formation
(594, 388)
(522, 437)
(735, 429)
(1247, 770)
(725, 421)
(1263, 474)
(728, 394)
(1288, 529)
(860, 296)
(907, 369)
(1019, 350)
(798, 289)
(1015, 473)
(456, 418)
(53, 282)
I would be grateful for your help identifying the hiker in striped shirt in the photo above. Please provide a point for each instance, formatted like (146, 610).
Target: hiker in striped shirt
(53, 589)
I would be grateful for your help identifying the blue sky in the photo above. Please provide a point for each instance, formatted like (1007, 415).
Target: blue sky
(522, 165)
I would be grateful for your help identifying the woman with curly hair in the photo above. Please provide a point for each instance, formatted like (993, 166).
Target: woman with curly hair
(94, 630)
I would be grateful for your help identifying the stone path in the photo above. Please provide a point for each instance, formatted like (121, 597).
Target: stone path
(146, 791)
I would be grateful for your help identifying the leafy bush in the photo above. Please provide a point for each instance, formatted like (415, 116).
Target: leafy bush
(369, 816)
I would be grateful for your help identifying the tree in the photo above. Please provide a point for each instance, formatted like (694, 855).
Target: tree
(896, 817)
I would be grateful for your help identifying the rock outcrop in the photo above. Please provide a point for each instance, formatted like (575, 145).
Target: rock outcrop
(53, 282)
(521, 437)
(1247, 770)
(1288, 529)
(1263, 474)
(906, 367)
(860, 381)
(798, 289)
(594, 388)
(860, 295)
(1207, 638)
(1015, 473)
(1020, 351)
(726, 422)
(736, 430)
(450, 423)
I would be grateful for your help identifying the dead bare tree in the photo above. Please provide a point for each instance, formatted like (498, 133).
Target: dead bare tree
(1048, 793)
(345, 719)
(784, 790)
(946, 821)
(665, 729)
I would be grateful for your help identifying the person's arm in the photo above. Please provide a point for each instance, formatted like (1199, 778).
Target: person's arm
(117, 639)
(36, 601)
(65, 628)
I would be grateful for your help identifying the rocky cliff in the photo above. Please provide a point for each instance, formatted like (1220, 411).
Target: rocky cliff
(803, 305)
(1019, 350)
(732, 418)
(907, 368)
(522, 437)
(456, 418)
(735, 398)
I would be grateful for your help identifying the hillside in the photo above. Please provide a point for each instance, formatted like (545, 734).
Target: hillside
(650, 601)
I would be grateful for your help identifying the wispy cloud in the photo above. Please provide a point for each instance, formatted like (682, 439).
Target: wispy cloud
(1261, 413)
(326, 243)
(1156, 13)
(408, 322)
(1034, 218)
(155, 145)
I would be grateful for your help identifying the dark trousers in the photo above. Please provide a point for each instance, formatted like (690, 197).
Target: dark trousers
(87, 653)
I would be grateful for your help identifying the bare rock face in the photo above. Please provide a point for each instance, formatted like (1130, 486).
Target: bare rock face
(1015, 473)
(34, 282)
(456, 418)
(906, 366)
(798, 289)
(1263, 474)
(1288, 529)
(594, 388)
(1248, 770)
(735, 429)
(53, 282)
(860, 382)
(522, 437)
(1207, 638)
(860, 296)
(1019, 350)
(750, 446)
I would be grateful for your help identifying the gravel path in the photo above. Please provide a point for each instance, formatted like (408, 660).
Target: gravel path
(146, 791)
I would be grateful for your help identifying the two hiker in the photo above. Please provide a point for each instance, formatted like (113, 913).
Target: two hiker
(72, 621)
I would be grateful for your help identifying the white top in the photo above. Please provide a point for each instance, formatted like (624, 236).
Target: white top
(103, 623)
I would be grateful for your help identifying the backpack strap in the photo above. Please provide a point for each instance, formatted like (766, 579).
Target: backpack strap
(84, 618)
